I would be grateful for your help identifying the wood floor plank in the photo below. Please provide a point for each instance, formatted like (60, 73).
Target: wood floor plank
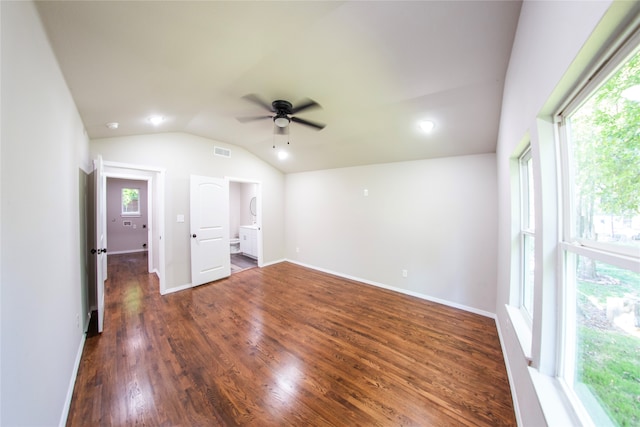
(285, 345)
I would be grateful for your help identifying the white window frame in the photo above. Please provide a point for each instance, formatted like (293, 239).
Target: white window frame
(570, 246)
(527, 231)
(122, 211)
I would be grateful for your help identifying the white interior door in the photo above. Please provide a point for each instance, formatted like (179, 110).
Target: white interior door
(209, 229)
(101, 237)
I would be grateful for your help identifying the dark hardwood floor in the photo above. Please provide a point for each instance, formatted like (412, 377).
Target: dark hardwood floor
(285, 346)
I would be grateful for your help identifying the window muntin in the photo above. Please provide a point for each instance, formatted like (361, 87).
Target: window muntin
(130, 201)
(601, 281)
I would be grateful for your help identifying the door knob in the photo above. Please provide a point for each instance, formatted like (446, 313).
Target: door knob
(93, 251)
(193, 235)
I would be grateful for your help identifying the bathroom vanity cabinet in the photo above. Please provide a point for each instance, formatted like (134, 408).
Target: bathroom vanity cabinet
(249, 240)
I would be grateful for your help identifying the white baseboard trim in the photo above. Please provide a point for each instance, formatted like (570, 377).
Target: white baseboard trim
(400, 290)
(72, 383)
(177, 289)
(273, 262)
(512, 388)
(126, 252)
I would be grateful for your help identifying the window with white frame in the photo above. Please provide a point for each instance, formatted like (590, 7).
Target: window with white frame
(130, 202)
(527, 234)
(600, 244)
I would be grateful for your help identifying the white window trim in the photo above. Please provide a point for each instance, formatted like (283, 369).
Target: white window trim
(570, 247)
(136, 214)
(519, 317)
(526, 229)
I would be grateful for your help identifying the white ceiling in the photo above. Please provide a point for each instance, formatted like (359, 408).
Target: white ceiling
(376, 67)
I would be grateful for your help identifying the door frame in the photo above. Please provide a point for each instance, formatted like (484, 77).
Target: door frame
(155, 178)
(258, 184)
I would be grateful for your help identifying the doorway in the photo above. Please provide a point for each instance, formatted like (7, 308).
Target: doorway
(153, 180)
(97, 220)
(127, 215)
(245, 225)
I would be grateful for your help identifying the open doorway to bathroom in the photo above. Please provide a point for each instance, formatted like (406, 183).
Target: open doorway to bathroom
(245, 241)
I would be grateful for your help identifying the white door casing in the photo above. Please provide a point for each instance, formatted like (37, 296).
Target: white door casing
(155, 178)
(209, 218)
(258, 217)
(101, 237)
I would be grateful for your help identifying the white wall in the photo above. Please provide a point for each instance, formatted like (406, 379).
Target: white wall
(240, 195)
(43, 146)
(235, 189)
(183, 155)
(545, 62)
(248, 192)
(121, 238)
(434, 218)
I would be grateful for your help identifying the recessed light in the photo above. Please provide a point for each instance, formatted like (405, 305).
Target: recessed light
(156, 120)
(282, 154)
(427, 125)
(112, 125)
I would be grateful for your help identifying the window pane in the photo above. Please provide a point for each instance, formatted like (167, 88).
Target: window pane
(527, 270)
(130, 201)
(527, 231)
(604, 145)
(530, 219)
(607, 341)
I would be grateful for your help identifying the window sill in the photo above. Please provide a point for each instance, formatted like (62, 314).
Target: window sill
(522, 329)
(555, 405)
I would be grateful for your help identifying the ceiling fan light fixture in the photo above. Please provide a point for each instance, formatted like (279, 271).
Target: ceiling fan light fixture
(281, 121)
(282, 154)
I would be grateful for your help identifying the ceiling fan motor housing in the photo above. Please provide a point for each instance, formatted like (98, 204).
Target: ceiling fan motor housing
(282, 107)
(283, 110)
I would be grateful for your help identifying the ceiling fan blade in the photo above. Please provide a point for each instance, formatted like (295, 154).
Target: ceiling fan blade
(259, 101)
(308, 103)
(316, 125)
(251, 118)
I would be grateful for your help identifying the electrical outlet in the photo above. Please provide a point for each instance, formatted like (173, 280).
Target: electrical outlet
(77, 320)
(405, 273)
(297, 250)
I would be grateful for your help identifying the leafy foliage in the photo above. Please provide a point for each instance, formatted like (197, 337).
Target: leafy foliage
(611, 369)
(130, 198)
(606, 149)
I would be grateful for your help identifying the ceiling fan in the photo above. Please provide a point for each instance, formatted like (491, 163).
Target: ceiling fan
(283, 113)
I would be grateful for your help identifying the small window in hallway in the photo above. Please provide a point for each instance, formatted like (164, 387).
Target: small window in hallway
(130, 201)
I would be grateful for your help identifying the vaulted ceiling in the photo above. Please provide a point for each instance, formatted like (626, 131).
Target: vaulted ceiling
(376, 67)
